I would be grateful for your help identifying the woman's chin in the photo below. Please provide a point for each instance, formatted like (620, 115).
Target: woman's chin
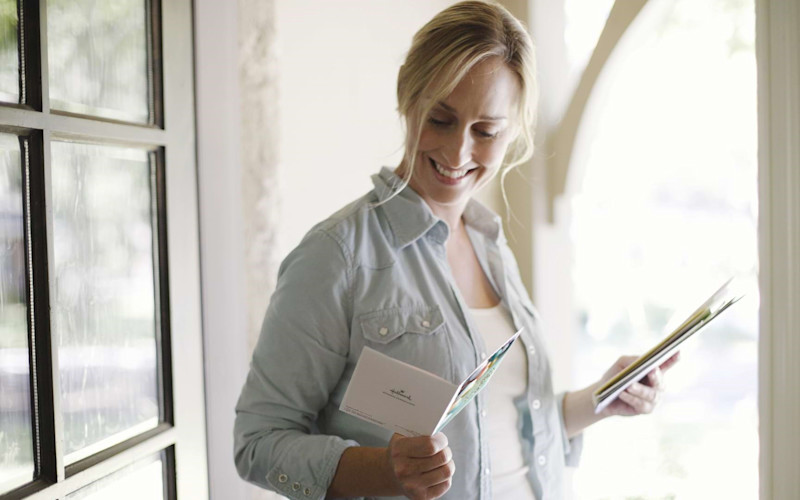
(440, 190)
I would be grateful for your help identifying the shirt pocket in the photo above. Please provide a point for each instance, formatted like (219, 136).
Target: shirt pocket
(414, 334)
(385, 325)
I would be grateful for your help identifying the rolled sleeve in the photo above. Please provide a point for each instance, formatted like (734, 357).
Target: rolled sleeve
(298, 360)
(573, 447)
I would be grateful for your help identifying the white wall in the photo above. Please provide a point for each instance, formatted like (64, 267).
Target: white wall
(221, 234)
(338, 119)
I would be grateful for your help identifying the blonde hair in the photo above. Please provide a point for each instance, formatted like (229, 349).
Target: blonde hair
(444, 50)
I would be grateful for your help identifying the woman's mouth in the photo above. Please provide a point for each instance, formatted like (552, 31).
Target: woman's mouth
(449, 176)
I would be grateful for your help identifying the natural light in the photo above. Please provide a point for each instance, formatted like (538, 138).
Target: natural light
(664, 211)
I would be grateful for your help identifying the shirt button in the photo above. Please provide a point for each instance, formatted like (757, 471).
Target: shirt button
(483, 413)
(532, 350)
(541, 460)
(537, 404)
(307, 491)
(426, 323)
(296, 486)
(487, 471)
(383, 331)
(483, 355)
(283, 478)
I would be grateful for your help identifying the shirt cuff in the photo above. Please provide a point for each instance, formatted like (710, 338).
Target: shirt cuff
(296, 481)
(573, 447)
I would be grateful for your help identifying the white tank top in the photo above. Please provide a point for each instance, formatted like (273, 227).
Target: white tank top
(509, 470)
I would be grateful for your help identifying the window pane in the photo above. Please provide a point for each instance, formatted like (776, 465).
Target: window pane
(9, 51)
(584, 21)
(104, 314)
(140, 480)
(667, 211)
(97, 53)
(16, 446)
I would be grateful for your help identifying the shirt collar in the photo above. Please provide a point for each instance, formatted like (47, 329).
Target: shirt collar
(479, 217)
(410, 217)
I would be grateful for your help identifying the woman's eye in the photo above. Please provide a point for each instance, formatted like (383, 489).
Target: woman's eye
(486, 134)
(437, 122)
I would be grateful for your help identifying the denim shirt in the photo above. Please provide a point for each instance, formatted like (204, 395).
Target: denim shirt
(379, 277)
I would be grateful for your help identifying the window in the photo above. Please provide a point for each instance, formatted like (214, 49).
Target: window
(664, 212)
(99, 252)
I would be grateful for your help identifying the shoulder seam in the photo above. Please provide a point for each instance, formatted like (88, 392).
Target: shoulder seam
(349, 259)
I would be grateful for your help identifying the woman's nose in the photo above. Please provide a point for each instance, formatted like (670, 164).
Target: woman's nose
(458, 149)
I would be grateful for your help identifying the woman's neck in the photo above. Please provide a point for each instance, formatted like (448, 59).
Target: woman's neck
(450, 214)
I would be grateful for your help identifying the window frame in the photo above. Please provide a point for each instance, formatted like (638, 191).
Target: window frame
(171, 139)
(777, 39)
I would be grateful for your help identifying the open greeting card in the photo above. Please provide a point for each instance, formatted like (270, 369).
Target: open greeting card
(408, 400)
(727, 295)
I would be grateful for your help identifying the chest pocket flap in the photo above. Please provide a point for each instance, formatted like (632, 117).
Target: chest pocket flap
(385, 325)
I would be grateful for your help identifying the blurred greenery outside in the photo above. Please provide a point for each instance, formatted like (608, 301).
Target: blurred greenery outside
(104, 300)
(9, 59)
(97, 54)
(16, 443)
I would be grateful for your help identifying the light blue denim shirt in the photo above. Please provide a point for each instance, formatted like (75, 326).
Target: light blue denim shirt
(379, 277)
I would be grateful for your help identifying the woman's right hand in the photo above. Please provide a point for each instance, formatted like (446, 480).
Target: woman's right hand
(422, 466)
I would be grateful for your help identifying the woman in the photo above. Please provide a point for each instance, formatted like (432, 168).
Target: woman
(420, 271)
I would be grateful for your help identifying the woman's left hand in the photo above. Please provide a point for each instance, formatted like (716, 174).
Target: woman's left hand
(640, 397)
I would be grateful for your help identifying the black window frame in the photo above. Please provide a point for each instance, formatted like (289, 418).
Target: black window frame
(34, 143)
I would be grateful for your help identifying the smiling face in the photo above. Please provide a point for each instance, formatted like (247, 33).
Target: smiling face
(465, 136)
